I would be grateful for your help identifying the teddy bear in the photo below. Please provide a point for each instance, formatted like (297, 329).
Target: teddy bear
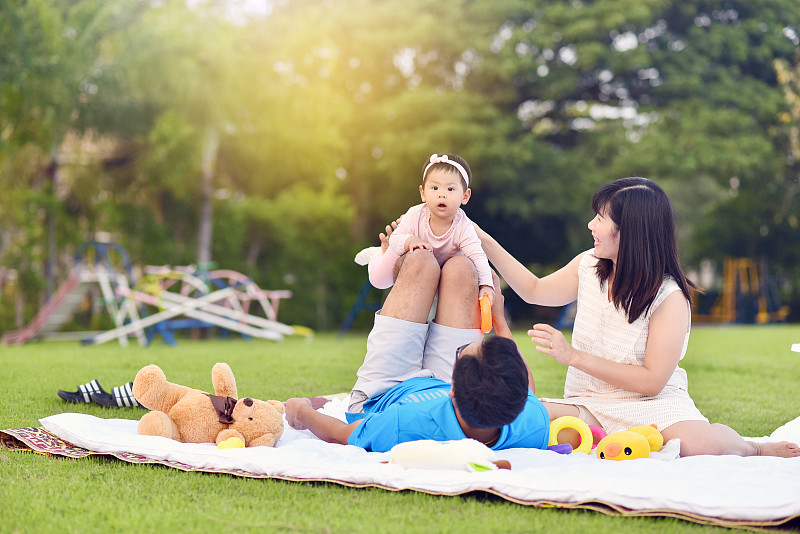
(193, 416)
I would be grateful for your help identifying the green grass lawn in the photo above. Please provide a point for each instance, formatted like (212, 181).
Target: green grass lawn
(740, 375)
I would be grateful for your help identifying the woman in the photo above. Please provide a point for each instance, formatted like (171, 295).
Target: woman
(631, 327)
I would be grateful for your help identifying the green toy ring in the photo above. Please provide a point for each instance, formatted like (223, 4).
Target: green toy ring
(574, 423)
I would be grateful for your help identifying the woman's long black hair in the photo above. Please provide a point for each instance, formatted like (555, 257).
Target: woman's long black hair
(648, 248)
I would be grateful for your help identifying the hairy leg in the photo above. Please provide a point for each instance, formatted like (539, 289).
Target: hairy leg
(699, 437)
(411, 297)
(458, 294)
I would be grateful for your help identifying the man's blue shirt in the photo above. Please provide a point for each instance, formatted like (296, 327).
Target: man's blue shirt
(420, 408)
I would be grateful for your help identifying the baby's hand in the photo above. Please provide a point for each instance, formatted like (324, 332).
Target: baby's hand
(384, 238)
(486, 291)
(413, 243)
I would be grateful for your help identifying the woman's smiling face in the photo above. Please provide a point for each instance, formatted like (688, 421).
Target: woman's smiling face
(606, 236)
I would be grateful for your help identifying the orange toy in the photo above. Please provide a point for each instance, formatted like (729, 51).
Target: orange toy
(486, 315)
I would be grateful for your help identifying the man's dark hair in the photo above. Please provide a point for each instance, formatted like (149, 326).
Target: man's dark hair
(491, 388)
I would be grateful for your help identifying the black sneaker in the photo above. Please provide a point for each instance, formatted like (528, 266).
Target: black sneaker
(84, 393)
(120, 397)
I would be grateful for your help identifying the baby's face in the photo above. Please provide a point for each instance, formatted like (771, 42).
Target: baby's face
(444, 192)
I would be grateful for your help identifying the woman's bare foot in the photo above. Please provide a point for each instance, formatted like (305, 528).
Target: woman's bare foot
(783, 449)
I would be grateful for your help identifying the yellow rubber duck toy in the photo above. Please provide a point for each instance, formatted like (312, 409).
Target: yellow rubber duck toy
(636, 442)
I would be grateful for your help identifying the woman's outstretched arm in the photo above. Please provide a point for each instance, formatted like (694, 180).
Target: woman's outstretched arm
(557, 289)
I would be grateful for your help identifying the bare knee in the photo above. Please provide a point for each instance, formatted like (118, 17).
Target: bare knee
(458, 294)
(460, 271)
(703, 438)
(693, 445)
(420, 265)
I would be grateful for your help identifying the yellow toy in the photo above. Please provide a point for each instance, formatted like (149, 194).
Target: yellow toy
(590, 435)
(653, 436)
(637, 442)
(231, 443)
(193, 416)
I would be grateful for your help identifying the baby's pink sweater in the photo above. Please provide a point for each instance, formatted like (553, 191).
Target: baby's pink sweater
(459, 238)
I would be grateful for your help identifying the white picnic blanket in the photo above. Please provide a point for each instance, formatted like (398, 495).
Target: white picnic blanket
(753, 489)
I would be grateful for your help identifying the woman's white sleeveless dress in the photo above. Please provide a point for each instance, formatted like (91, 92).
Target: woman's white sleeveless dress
(604, 331)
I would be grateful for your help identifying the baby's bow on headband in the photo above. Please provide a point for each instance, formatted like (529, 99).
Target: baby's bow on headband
(436, 158)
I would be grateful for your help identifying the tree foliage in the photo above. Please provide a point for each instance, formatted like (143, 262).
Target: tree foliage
(321, 113)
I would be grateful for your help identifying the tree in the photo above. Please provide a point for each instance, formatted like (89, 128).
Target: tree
(51, 57)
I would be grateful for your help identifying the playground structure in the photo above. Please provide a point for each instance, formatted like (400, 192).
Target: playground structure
(164, 300)
(747, 295)
(97, 265)
(358, 306)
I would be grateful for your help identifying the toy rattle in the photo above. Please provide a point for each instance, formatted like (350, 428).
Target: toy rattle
(486, 314)
(590, 434)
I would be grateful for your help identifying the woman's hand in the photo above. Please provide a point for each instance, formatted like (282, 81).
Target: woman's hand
(553, 343)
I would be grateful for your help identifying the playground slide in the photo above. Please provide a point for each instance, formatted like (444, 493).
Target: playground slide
(54, 314)
(233, 316)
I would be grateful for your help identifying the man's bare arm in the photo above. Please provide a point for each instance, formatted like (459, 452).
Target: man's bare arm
(301, 416)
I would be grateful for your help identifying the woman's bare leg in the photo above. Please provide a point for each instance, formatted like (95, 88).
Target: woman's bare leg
(699, 437)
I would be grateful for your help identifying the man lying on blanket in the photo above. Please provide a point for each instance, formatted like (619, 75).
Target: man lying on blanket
(441, 381)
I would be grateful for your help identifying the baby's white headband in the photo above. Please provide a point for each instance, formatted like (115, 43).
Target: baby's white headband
(436, 158)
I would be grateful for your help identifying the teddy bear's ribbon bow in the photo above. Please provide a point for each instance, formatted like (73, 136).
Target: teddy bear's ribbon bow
(224, 407)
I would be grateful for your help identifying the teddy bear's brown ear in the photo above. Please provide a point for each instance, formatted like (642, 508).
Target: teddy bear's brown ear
(278, 405)
(223, 380)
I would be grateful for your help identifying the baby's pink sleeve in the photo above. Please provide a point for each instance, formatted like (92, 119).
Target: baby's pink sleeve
(404, 230)
(381, 269)
(470, 245)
